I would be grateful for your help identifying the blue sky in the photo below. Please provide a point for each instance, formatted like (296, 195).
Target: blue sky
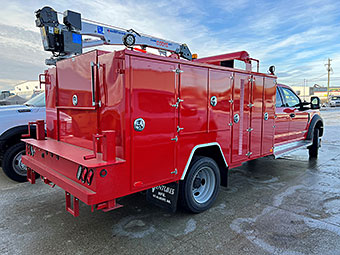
(295, 36)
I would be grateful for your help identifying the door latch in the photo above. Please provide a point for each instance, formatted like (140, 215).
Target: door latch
(249, 154)
(177, 102)
(175, 139)
(174, 172)
(177, 71)
(250, 129)
(179, 129)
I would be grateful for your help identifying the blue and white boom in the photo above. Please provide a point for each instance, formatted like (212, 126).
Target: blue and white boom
(65, 40)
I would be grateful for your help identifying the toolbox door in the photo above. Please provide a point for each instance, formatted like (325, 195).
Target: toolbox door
(76, 99)
(268, 130)
(256, 106)
(193, 95)
(153, 121)
(241, 117)
(219, 101)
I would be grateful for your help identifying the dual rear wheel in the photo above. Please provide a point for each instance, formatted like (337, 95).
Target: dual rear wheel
(200, 187)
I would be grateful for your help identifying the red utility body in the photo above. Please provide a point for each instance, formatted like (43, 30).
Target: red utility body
(94, 150)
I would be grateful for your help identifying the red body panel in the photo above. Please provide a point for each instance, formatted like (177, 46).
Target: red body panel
(177, 110)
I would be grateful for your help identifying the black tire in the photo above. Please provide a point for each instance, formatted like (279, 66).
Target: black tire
(199, 189)
(314, 148)
(12, 165)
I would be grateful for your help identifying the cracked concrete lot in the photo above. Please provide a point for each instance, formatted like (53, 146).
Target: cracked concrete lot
(285, 206)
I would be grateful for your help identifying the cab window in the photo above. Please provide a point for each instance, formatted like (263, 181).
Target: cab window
(291, 99)
(279, 102)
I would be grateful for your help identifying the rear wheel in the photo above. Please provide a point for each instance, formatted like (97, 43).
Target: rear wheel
(12, 164)
(200, 187)
(314, 148)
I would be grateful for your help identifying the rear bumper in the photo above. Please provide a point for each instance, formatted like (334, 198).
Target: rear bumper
(84, 194)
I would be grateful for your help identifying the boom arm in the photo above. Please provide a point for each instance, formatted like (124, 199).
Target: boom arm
(66, 40)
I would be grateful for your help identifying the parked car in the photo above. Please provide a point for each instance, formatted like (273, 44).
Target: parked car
(335, 101)
(13, 124)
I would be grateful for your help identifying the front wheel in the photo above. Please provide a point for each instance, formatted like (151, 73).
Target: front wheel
(12, 164)
(200, 187)
(314, 148)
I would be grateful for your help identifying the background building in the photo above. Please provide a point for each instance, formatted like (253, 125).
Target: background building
(28, 89)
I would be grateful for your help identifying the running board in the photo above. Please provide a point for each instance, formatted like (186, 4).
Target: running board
(281, 150)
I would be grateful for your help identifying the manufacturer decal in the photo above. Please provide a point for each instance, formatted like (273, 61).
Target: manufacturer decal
(115, 31)
(100, 30)
(164, 195)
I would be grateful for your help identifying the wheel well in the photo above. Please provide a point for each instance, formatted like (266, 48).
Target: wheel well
(319, 125)
(316, 122)
(215, 153)
(13, 136)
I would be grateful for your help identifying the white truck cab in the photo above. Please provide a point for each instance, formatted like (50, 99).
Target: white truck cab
(13, 124)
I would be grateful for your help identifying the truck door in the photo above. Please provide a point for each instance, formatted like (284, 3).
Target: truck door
(241, 117)
(282, 119)
(153, 121)
(298, 119)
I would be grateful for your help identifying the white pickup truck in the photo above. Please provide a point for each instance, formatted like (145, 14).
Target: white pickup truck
(13, 124)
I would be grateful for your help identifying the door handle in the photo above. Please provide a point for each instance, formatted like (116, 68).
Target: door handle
(93, 85)
(292, 115)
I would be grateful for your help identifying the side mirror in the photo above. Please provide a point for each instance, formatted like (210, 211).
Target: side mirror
(272, 70)
(315, 103)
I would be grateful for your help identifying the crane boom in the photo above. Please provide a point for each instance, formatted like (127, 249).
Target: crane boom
(65, 40)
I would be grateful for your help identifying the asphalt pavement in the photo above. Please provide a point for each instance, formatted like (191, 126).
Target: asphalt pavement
(284, 206)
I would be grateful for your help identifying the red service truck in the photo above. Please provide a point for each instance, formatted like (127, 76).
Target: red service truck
(127, 121)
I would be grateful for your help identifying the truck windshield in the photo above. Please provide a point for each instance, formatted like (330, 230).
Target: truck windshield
(37, 101)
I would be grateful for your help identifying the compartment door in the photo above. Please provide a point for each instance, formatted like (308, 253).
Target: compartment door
(256, 114)
(193, 91)
(268, 130)
(219, 97)
(76, 114)
(241, 117)
(153, 121)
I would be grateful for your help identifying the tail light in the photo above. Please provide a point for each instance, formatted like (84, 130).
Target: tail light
(85, 175)
(80, 169)
(89, 177)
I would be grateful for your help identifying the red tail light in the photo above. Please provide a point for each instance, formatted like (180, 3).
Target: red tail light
(89, 177)
(84, 174)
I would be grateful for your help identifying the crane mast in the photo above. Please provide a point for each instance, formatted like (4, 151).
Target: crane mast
(66, 40)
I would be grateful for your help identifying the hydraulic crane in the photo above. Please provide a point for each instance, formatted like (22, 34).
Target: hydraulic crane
(66, 40)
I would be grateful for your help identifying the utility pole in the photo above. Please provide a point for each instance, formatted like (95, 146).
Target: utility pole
(304, 89)
(329, 76)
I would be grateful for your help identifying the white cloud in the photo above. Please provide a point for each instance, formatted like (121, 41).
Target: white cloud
(296, 36)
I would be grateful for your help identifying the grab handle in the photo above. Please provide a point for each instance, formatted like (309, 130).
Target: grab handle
(93, 84)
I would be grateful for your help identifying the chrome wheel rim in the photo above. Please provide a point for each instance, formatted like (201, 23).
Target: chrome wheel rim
(203, 185)
(18, 167)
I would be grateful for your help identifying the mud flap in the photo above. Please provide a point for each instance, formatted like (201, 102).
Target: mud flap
(164, 196)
